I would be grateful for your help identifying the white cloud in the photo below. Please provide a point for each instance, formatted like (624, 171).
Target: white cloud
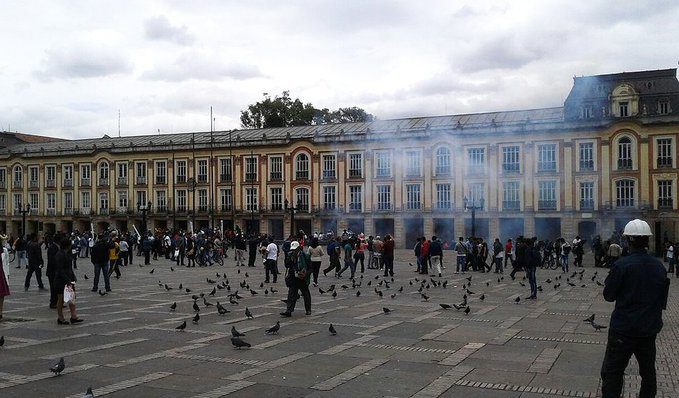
(83, 61)
(201, 66)
(160, 28)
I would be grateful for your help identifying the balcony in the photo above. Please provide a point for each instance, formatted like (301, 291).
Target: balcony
(586, 165)
(410, 206)
(665, 162)
(355, 207)
(329, 174)
(68, 183)
(68, 211)
(413, 174)
(511, 168)
(546, 167)
(202, 208)
(161, 180)
(85, 182)
(383, 173)
(33, 184)
(51, 183)
(103, 212)
(140, 181)
(443, 206)
(624, 164)
(546, 204)
(51, 212)
(181, 179)
(586, 204)
(3, 184)
(511, 205)
(103, 182)
(35, 211)
(225, 208)
(355, 173)
(123, 210)
(302, 175)
(86, 211)
(202, 178)
(442, 171)
(121, 181)
(250, 176)
(18, 184)
(329, 208)
(225, 178)
(384, 207)
(181, 209)
(161, 209)
(665, 203)
(303, 207)
(276, 207)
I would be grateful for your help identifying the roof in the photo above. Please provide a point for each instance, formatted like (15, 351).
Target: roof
(653, 82)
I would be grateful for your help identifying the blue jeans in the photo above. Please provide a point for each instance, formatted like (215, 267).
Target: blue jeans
(564, 262)
(348, 264)
(498, 265)
(461, 264)
(102, 267)
(530, 273)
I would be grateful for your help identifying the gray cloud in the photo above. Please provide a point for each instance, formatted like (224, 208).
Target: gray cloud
(201, 66)
(83, 61)
(502, 52)
(160, 28)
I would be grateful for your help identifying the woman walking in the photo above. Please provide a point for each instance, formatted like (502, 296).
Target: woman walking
(63, 277)
(4, 278)
(317, 253)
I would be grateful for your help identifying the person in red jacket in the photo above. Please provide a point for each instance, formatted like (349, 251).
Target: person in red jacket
(424, 256)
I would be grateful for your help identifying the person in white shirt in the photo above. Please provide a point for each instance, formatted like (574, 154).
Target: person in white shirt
(670, 259)
(270, 264)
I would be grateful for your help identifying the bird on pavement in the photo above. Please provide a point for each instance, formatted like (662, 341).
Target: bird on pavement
(321, 291)
(334, 294)
(400, 290)
(446, 306)
(425, 297)
(332, 330)
(517, 299)
(221, 310)
(483, 297)
(195, 307)
(232, 301)
(207, 303)
(150, 272)
(597, 327)
(467, 310)
(58, 367)
(274, 329)
(173, 306)
(248, 313)
(393, 296)
(196, 318)
(386, 310)
(2, 341)
(236, 333)
(253, 292)
(599, 283)
(589, 319)
(89, 393)
(238, 343)
(102, 293)
(358, 293)
(85, 276)
(213, 292)
(181, 327)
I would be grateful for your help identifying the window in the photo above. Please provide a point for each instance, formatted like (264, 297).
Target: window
(202, 200)
(510, 196)
(413, 163)
(383, 161)
(384, 197)
(141, 173)
(442, 161)
(664, 152)
(33, 175)
(3, 203)
(122, 201)
(3, 178)
(250, 168)
(161, 201)
(355, 198)
(251, 199)
(202, 170)
(67, 174)
(276, 199)
(276, 168)
(329, 198)
(103, 201)
(302, 199)
(85, 175)
(34, 200)
(476, 160)
(355, 165)
(586, 152)
(50, 176)
(587, 195)
(68, 203)
(18, 203)
(51, 203)
(624, 109)
(624, 193)
(547, 157)
(476, 193)
(329, 166)
(625, 153)
(85, 202)
(225, 171)
(181, 200)
(510, 159)
(141, 198)
(443, 197)
(664, 107)
(103, 173)
(302, 167)
(181, 171)
(413, 196)
(161, 173)
(121, 168)
(547, 195)
(665, 194)
(586, 112)
(18, 176)
(225, 199)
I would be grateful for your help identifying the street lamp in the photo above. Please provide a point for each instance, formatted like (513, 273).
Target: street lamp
(287, 208)
(473, 206)
(144, 209)
(23, 212)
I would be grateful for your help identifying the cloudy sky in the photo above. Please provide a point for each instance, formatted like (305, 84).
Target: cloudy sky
(68, 66)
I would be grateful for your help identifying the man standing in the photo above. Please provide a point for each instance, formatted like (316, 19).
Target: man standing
(298, 277)
(638, 284)
(35, 263)
(614, 252)
(100, 259)
(461, 250)
(436, 253)
(498, 253)
(531, 264)
(388, 255)
(253, 242)
(114, 257)
(20, 247)
(270, 262)
(52, 249)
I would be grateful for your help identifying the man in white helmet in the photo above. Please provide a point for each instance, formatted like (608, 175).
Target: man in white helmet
(638, 284)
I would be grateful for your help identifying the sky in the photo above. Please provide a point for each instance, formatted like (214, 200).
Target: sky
(68, 67)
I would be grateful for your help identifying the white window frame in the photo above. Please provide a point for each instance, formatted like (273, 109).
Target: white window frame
(443, 161)
(384, 197)
(354, 164)
(476, 160)
(329, 161)
(625, 201)
(303, 199)
(181, 170)
(276, 163)
(444, 196)
(225, 199)
(413, 196)
(511, 156)
(355, 198)
(580, 149)
(383, 164)
(302, 166)
(251, 199)
(226, 169)
(413, 166)
(276, 198)
(511, 192)
(329, 197)
(547, 153)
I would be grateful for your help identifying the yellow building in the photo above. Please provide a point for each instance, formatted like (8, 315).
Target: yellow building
(606, 156)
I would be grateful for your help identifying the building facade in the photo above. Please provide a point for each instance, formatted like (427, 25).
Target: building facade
(607, 156)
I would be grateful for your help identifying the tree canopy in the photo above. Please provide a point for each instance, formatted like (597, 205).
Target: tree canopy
(283, 111)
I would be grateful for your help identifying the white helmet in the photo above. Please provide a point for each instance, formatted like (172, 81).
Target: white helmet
(637, 227)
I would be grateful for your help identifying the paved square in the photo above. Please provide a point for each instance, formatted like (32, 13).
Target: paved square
(128, 345)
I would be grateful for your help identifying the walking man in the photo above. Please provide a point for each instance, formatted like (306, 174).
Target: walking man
(100, 259)
(35, 262)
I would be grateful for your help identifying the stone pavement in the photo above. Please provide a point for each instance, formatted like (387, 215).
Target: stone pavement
(128, 346)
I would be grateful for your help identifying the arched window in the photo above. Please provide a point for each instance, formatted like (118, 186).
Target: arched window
(103, 173)
(624, 193)
(625, 153)
(18, 175)
(442, 161)
(302, 167)
(302, 199)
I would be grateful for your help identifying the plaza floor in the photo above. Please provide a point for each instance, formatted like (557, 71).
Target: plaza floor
(128, 345)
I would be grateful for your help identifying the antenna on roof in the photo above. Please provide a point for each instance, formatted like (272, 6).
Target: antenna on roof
(118, 123)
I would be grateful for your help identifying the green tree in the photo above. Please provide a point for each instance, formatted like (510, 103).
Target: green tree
(283, 111)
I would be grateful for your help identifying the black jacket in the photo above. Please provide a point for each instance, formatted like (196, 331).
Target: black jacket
(63, 270)
(100, 252)
(52, 250)
(34, 253)
(637, 285)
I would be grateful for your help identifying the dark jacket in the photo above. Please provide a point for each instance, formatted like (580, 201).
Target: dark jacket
(532, 257)
(100, 252)
(637, 285)
(435, 248)
(52, 250)
(63, 270)
(34, 253)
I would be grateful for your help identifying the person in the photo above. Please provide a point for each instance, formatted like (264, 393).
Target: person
(359, 253)
(100, 259)
(180, 245)
(190, 251)
(436, 253)
(418, 254)
(521, 257)
(114, 257)
(124, 247)
(424, 256)
(598, 248)
(52, 249)
(461, 250)
(670, 258)
(240, 248)
(297, 278)
(578, 251)
(498, 254)
(20, 248)
(4, 278)
(75, 250)
(35, 263)
(565, 251)
(614, 252)
(347, 247)
(638, 284)
(334, 249)
(531, 264)
(388, 255)
(316, 253)
(509, 253)
(270, 265)
(483, 256)
(378, 246)
(253, 242)
(371, 251)
(131, 239)
(146, 246)
(64, 276)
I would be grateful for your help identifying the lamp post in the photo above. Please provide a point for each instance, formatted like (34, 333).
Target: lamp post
(473, 206)
(252, 191)
(288, 208)
(23, 212)
(144, 208)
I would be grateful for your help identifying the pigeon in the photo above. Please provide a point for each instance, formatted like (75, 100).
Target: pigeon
(181, 286)
(411, 264)
(221, 310)
(274, 329)
(253, 292)
(517, 299)
(207, 303)
(590, 319)
(334, 294)
(102, 293)
(2, 341)
(273, 290)
(172, 269)
(85, 276)
(469, 278)
(377, 277)
(483, 296)
(173, 306)
(236, 333)
(487, 284)
(232, 301)
(393, 296)
(445, 283)
(195, 297)
(522, 284)
(400, 290)
(150, 272)
(58, 367)
(386, 310)
(583, 285)
(187, 290)
(459, 307)
(597, 327)
(469, 292)
(195, 307)
(266, 291)
(332, 330)
(599, 283)
(167, 287)
(548, 280)
(213, 292)
(210, 281)
(217, 275)
(446, 306)
(89, 393)
(181, 327)
(196, 318)
(369, 283)
(571, 284)
(345, 287)
(248, 313)
(411, 283)
(358, 293)
(425, 297)
(467, 310)
(238, 343)
(246, 275)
